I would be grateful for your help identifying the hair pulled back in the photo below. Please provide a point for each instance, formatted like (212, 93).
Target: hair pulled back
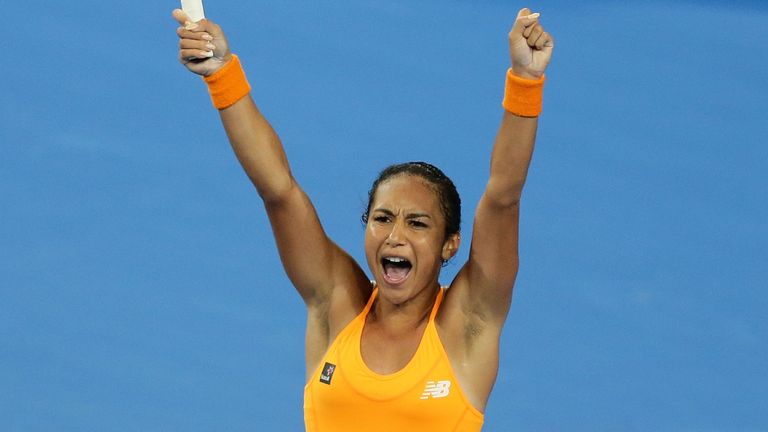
(450, 202)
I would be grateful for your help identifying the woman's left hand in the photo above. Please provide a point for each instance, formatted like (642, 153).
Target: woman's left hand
(530, 47)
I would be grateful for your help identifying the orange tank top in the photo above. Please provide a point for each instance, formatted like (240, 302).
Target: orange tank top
(344, 395)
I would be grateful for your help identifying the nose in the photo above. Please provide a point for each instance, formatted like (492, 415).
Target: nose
(396, 236)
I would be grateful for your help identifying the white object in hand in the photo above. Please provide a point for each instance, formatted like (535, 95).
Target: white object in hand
(193, 9)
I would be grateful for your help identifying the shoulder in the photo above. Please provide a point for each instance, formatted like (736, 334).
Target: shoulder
(327, 318)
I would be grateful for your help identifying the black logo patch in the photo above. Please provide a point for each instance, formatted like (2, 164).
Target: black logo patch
(327, 373)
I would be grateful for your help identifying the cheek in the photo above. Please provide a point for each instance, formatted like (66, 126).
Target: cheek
(371, 243)
(428, 246)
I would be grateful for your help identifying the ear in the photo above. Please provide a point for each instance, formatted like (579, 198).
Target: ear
(451, 246)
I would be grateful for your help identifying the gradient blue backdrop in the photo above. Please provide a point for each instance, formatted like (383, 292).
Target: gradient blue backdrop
(139, 284)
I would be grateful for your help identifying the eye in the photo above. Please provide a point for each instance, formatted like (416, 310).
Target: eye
(418, 224)
(381, 219)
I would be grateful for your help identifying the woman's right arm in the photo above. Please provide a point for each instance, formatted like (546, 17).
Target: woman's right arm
(312, 261)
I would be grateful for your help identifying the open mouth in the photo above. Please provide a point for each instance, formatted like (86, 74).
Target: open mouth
(396, 269)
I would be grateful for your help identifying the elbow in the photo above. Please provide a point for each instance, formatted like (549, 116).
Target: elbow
(507, 201)
(504, 195)
(277, 191)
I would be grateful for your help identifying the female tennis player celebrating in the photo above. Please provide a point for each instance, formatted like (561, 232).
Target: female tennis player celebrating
(401, 353)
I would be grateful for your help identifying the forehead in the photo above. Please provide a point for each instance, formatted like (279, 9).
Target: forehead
(407, 192)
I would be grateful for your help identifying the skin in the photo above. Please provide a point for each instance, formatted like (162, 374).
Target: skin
(405, 221)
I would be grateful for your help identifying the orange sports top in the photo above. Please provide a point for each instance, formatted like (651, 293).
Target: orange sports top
(344, 395)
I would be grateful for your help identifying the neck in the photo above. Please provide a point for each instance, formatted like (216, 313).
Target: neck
(409, 314)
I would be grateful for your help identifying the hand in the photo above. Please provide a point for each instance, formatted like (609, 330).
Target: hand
(203, 49)
(530, 47)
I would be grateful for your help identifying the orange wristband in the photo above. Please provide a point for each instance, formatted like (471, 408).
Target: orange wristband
(522, 96)
(228, 84)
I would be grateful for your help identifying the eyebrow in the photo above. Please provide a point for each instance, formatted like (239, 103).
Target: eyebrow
(408, 216)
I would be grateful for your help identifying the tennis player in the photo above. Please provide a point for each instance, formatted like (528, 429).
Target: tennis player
(400, 353)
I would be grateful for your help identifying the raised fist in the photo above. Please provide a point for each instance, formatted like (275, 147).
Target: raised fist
(530, 47)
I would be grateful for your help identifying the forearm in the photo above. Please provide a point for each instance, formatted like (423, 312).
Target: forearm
(307, 254)
(510, 158)
(205, 51)
(493, 260)
(258, 148)
(310, 258)
(530, 49)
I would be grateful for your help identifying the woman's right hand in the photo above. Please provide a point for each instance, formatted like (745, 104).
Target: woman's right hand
(203, 49)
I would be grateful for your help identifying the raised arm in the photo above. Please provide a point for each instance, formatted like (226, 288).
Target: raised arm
(490, 272)
(312, 261)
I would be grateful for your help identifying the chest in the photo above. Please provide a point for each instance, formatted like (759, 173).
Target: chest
(385, 351)
(395, 383)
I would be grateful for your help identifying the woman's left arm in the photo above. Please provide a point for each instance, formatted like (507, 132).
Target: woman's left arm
(490, 272)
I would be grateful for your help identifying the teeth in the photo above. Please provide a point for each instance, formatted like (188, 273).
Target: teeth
(395, 259)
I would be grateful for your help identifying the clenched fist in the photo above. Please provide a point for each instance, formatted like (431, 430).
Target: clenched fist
(530, 47)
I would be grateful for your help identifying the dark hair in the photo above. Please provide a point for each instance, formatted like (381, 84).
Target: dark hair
(450, 203)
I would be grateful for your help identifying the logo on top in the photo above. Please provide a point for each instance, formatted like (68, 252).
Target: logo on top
(327, 373)
(436, 389)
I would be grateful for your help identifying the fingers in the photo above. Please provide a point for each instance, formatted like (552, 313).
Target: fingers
(200, 26)
(527, 27)
(203, 48)
(186, 56)
(524, 19)
(194, 35)
(534, 34)
(545, 41)
(195, 42)
(523, 13)
(190, 49)
(194, 45)
(539, 39)
(180, 16)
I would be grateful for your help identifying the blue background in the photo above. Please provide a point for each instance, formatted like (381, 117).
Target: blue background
(140, 288)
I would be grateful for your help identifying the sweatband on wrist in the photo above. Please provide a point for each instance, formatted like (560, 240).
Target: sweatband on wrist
(522, 96)
(228, 84)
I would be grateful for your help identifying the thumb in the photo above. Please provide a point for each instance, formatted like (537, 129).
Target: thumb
(524, 19)
(180, 16)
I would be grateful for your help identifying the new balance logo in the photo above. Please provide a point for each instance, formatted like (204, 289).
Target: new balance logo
(436, 389)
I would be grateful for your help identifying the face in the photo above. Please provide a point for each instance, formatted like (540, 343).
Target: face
(405, 242)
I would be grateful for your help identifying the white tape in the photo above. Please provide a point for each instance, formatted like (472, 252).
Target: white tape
(193, 9)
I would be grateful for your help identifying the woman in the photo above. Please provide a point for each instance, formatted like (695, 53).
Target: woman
(401, 353)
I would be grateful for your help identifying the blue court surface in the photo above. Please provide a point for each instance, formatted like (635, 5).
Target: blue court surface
(140, 289)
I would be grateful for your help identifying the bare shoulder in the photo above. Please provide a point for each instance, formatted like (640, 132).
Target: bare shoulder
(328, 316)
(348, 299)
(346, 290)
